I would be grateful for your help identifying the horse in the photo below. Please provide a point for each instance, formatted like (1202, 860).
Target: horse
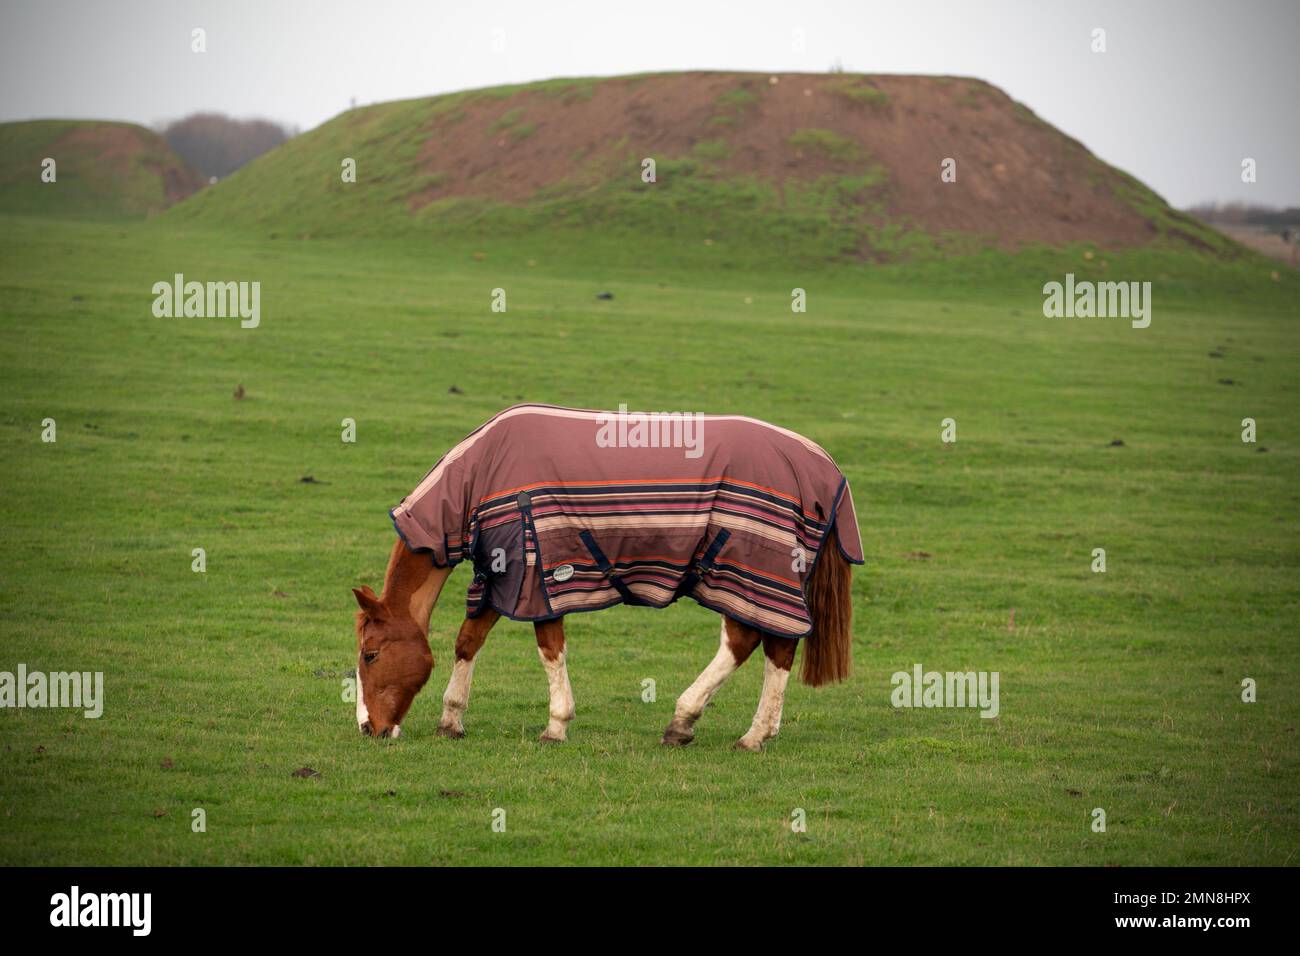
(565, 510)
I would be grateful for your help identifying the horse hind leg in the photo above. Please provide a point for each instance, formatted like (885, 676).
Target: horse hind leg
(779, 657)
(473, 632)
(736, 643)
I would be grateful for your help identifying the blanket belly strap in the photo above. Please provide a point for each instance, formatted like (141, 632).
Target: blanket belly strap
(705, 563)
(603, 563)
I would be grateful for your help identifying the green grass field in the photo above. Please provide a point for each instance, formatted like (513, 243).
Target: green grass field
(1119, 690)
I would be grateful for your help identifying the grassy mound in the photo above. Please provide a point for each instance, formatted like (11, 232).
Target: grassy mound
(809, 167)
(102, 170)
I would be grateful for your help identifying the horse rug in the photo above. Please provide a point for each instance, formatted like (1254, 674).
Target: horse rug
(564, 510)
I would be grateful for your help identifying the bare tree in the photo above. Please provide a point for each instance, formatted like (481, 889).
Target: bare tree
(217, 145)
(1246, 214)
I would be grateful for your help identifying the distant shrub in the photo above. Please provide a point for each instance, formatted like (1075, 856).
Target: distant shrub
(521, 132)
(827, 143)
(733, 106)
(508, 119)
(735, 100)
(1026, 115)
(973, 96)
(568, 93)
(217, 145)
(713, 150)
(859, 93)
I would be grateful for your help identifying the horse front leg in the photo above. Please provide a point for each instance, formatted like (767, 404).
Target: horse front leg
(550, 647)
(779, 656)
(735, 645)
(473, 632)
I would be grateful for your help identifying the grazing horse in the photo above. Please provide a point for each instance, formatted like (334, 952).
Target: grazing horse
(566, 510)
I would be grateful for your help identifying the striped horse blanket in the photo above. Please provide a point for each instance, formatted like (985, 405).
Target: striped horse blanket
(564, 510)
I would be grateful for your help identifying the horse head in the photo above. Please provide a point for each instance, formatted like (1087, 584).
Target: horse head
(393, 664)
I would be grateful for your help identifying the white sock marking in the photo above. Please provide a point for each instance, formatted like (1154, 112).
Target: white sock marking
(561, 708)
(455, 700)
(696, 697)
(767, 719)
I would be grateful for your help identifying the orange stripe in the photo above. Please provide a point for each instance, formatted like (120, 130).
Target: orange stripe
(636, 481)
(640, 557)
(768, 575)
(764, 574)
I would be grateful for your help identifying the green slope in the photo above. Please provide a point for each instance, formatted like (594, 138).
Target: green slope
(810, 168)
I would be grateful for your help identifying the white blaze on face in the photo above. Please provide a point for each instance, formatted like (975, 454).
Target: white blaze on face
(362, 714)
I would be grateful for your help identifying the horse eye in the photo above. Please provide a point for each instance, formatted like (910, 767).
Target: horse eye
(370, 657)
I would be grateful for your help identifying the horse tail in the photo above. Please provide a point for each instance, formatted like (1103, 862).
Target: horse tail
(828, 650)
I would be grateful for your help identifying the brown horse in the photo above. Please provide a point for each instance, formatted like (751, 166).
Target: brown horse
(761, 529)
(394, 660)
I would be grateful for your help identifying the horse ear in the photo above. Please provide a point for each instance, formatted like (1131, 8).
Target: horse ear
(368, 601)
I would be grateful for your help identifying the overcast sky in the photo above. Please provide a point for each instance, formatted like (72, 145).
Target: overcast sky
(1185, 90)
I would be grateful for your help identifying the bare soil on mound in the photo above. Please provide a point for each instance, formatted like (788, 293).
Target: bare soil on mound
(1018, 179)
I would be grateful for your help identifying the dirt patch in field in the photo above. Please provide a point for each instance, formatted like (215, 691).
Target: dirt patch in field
(1018, 179)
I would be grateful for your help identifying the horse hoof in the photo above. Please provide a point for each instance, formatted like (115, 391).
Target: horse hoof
(451, 733)
(548, 739)
(675, 738)
(743, 744)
